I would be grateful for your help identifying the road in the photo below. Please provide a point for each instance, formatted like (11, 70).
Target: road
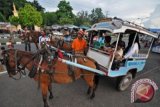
(25, 93)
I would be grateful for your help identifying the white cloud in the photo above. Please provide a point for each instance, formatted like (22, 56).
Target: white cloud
(154, 19)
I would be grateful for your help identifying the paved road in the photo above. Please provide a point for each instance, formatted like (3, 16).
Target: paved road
(24, 92)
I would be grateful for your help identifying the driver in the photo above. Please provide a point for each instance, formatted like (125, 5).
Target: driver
(79, 45)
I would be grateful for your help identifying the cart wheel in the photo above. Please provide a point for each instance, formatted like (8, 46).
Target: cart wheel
(124, 82)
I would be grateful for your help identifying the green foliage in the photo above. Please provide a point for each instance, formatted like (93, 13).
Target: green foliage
(2, 18)
(29, 16)
(14, 20)
(96, 15)
(6, 6)
(49, 18)
(82, 18)
(19, 4)
(37, 5)
(64, 14)
(64, 20)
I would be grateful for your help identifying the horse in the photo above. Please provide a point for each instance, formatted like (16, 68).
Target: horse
(14, 58)
(60, 43)
(31, 36)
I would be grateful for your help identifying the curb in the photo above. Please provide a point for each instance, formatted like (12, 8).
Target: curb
(7, 37)
(4, 72)
(9, 43)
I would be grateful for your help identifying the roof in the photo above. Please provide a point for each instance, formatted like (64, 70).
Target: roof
(120, 26)
(154, 30)
(84, 27)
(70, 26)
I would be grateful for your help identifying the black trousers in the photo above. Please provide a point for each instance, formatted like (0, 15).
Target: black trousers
(27, 46)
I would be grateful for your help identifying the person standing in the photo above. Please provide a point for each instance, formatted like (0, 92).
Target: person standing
(26, 39)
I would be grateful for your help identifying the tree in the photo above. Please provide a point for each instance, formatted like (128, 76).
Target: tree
(37, 6)
(82, 18)
(49, 18)
(96, 15)
(64, 14)
(14, 20)
(29, 16)
(6, 6)
(2, 18)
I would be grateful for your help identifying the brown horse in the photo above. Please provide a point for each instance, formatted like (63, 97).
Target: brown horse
(31, 37)
(60, 71)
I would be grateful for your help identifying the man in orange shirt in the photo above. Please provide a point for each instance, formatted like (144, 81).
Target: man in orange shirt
(79, 45)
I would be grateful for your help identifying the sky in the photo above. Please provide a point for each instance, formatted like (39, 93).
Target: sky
(144, 12)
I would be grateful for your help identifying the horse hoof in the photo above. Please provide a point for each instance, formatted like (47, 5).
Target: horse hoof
(92, 96)
(46, 105)
(51, 97)
(88, 92)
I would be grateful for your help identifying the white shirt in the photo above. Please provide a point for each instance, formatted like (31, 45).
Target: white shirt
(43, 39)
(133, 50)
(67, 38)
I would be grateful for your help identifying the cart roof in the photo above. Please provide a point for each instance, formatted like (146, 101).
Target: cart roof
(120, 26)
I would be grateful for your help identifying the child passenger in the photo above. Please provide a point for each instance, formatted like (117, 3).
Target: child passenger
(118, 57)
(119, 52)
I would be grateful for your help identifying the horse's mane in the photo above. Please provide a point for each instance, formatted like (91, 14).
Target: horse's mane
(23, 52)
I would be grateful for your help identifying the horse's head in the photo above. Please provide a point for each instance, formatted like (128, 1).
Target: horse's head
(10, 61)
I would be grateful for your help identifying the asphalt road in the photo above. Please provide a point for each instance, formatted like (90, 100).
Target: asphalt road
(24, 92)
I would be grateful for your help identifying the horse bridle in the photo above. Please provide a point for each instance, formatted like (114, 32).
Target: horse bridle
(17, 69)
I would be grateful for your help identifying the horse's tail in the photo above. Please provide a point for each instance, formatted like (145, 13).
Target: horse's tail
(96, 77)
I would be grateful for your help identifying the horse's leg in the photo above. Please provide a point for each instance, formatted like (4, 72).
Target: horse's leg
(36, 44)
(44, 88)
(29, 46)
(92, 81)
(89, 90)
(25, 46)
(50, 91)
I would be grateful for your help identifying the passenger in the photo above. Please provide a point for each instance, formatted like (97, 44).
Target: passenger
(95, 38)
(118, 57)
(119, 51)
(108, 41)
(101, 39)
(107, 46)
(121, 42)
(132, 49)
(79, 45)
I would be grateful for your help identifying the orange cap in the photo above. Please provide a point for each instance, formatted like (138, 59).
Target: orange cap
(80, 32)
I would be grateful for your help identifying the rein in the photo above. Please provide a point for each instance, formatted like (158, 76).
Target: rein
(24, 66)
(17, 70)
(21, 70)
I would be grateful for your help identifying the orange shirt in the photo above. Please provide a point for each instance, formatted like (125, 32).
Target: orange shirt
(79, 45)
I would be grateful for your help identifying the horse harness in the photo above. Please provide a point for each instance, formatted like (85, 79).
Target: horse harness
(50, 56)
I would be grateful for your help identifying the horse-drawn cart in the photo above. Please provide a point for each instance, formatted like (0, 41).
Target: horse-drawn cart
(122, 33)
(114, 51)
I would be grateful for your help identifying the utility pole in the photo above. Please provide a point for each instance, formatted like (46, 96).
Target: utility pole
(107, 14)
